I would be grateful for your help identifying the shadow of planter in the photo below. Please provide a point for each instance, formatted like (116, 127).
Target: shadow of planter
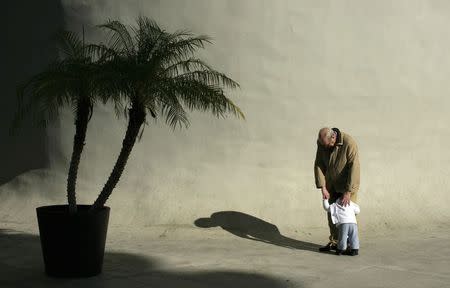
(21, 266)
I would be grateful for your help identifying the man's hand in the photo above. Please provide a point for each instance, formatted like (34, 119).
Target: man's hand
(325, 193)
(346, 199)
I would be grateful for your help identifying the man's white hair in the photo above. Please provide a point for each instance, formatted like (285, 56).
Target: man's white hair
(329, 132)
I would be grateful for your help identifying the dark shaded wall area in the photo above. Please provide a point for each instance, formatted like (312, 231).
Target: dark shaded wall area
(29, 47)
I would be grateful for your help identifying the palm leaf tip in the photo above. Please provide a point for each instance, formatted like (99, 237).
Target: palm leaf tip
(238, 112)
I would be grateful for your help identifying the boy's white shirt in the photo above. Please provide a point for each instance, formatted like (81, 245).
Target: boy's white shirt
(342, 214)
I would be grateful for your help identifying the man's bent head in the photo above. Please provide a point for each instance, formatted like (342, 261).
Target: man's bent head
(327, 137)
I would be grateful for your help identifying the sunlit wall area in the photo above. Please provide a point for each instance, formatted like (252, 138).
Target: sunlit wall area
(375, 69)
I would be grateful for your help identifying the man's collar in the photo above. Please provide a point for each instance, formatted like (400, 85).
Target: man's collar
(339, 140)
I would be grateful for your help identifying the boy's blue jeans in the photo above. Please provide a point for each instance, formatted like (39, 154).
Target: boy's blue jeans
(348, 232)
(334, 233)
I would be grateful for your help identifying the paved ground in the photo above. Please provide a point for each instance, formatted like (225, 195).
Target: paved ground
(213, 257)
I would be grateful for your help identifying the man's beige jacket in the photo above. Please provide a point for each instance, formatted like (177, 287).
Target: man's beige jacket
(338, 168)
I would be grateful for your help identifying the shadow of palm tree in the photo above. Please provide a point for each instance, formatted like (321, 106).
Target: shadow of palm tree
(21, 265)
(250, 227)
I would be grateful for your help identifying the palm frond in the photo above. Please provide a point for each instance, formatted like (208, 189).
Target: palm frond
(47, 94)
(119, 36)
(101, 52)
(208, 77)
(197, 95)
(70, 44)
(189, 65)
(175, 49)
(173, 111)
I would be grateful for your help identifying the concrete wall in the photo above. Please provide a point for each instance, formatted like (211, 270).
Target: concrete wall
(376, 69)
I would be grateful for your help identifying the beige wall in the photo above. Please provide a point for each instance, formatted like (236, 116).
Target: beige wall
(376, 69)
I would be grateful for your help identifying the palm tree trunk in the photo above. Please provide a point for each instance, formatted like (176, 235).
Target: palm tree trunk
(81, 123)
(135, 121)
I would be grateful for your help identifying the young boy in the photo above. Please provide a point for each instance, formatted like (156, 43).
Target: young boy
(345, 220)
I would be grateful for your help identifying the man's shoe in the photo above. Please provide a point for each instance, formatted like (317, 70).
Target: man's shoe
(352, 252)
(339, 251)
(328, 247)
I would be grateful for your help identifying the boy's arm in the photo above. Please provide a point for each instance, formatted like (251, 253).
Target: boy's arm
(356, 208)
(326, 205)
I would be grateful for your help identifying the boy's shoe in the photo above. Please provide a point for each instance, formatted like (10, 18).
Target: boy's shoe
(352, 252)
(339, 251)
(328, 247)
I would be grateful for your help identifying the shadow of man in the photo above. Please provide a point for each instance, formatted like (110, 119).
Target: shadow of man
(250, 227)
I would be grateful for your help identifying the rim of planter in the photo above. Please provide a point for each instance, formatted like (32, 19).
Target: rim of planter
(64, 209)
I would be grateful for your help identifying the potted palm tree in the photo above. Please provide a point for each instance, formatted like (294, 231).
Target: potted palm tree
(142, 70)
(72, 239)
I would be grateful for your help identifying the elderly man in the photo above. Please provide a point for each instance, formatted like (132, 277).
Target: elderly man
(336, 172)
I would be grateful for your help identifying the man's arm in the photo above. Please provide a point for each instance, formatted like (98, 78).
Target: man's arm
(319, 169)
(353, 180)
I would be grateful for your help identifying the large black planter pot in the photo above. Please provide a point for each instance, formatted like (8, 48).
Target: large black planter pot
(72, 245)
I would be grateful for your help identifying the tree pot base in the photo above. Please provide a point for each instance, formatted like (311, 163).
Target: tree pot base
(72, 245)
